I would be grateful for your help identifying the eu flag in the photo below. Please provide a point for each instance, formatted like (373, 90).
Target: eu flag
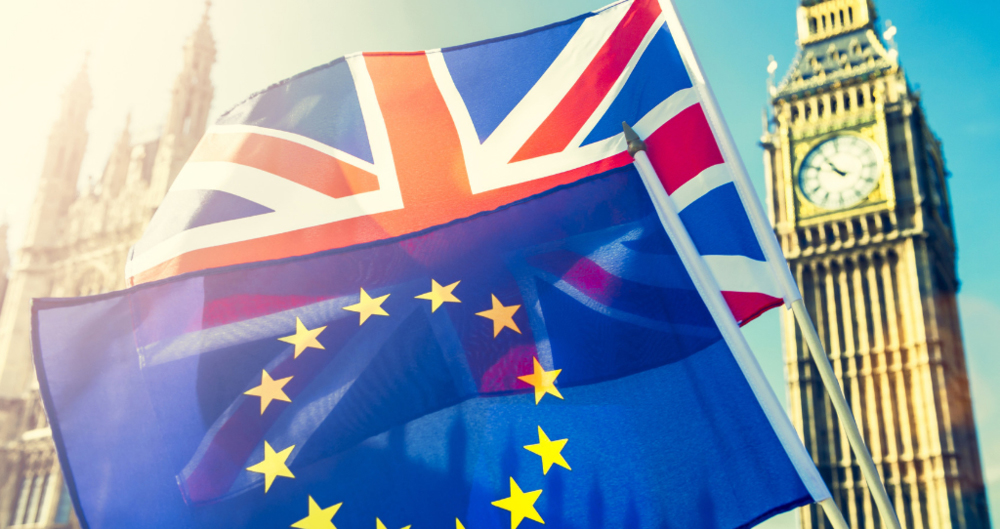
(548, 361)
(429, 290)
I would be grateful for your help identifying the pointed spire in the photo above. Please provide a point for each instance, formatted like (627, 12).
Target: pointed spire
(188, 115)
(116, 170)
(78, 93)
(201, 40)
(890, 40)
(772, 66)
(125, 140)
(83, 76)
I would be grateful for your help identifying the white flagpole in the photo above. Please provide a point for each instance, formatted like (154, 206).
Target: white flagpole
(769, 244)
(709, 291)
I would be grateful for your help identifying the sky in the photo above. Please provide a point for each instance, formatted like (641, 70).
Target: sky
(948, 49)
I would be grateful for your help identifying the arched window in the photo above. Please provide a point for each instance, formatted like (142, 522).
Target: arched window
(850, 14)
(847, 101)
(808, 110)
(842, 17)
(812, 25)
(819, 109)
(861, 99)
(833, 105)
(795, 114)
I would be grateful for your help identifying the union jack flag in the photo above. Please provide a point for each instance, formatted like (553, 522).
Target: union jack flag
(378, 145)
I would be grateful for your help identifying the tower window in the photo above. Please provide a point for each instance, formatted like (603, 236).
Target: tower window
(808, 111)
(841, 17)
(819, 109)
(812, 25)
(861, 99)
(850, 14)
(847, 101)
(795, 114)
(833, 105)
(824, 21)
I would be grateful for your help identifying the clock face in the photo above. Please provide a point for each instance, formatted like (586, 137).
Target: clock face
(840, 172)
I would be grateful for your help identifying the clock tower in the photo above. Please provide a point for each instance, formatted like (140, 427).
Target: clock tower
(859, 199)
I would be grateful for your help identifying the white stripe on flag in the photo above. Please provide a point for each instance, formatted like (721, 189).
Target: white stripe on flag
(738, 273)
(698, 186)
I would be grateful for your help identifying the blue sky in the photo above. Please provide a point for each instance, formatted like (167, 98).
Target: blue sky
(949, 51)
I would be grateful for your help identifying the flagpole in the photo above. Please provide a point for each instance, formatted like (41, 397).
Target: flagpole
(775, 257)
(710, 292)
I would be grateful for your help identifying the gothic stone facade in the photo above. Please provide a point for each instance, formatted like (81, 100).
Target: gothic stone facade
(859, 200)
(76, 244)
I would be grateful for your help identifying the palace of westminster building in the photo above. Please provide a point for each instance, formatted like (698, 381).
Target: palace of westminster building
(856, 184)
(76, 244)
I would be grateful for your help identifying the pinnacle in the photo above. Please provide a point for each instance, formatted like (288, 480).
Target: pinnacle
(83, 76)
(202, 39)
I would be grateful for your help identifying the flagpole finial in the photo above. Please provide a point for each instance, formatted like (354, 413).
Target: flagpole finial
(634, 142)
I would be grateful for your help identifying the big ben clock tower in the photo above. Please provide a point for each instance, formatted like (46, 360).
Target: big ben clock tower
(860, 203)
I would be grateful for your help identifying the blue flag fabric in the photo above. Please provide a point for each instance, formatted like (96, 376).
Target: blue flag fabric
(549, 361)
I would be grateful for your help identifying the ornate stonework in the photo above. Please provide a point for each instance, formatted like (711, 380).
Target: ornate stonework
(877, 273)
(76, 245)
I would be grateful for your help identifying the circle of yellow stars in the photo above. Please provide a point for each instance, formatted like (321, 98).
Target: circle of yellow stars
(520, 504)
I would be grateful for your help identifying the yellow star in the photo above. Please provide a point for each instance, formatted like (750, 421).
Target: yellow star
(304, 338)
(368, 307)
(318, 518)
(268, 390)
(440, 295)
(520, 504)
(501, 316)
(379, 524)
(551, 451)
(273, 465)
(544, 381)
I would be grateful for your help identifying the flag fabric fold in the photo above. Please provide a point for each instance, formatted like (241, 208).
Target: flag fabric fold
(430, 290)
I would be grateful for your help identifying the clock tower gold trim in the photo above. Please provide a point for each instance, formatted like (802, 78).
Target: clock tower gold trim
(881, 198)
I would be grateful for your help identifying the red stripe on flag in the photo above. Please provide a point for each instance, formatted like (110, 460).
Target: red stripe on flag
(590, 89)
(746, 306)
(431, 170)
(287, 159)
(683, 147)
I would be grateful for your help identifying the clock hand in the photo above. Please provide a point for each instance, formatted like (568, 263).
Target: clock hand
(834, 167)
